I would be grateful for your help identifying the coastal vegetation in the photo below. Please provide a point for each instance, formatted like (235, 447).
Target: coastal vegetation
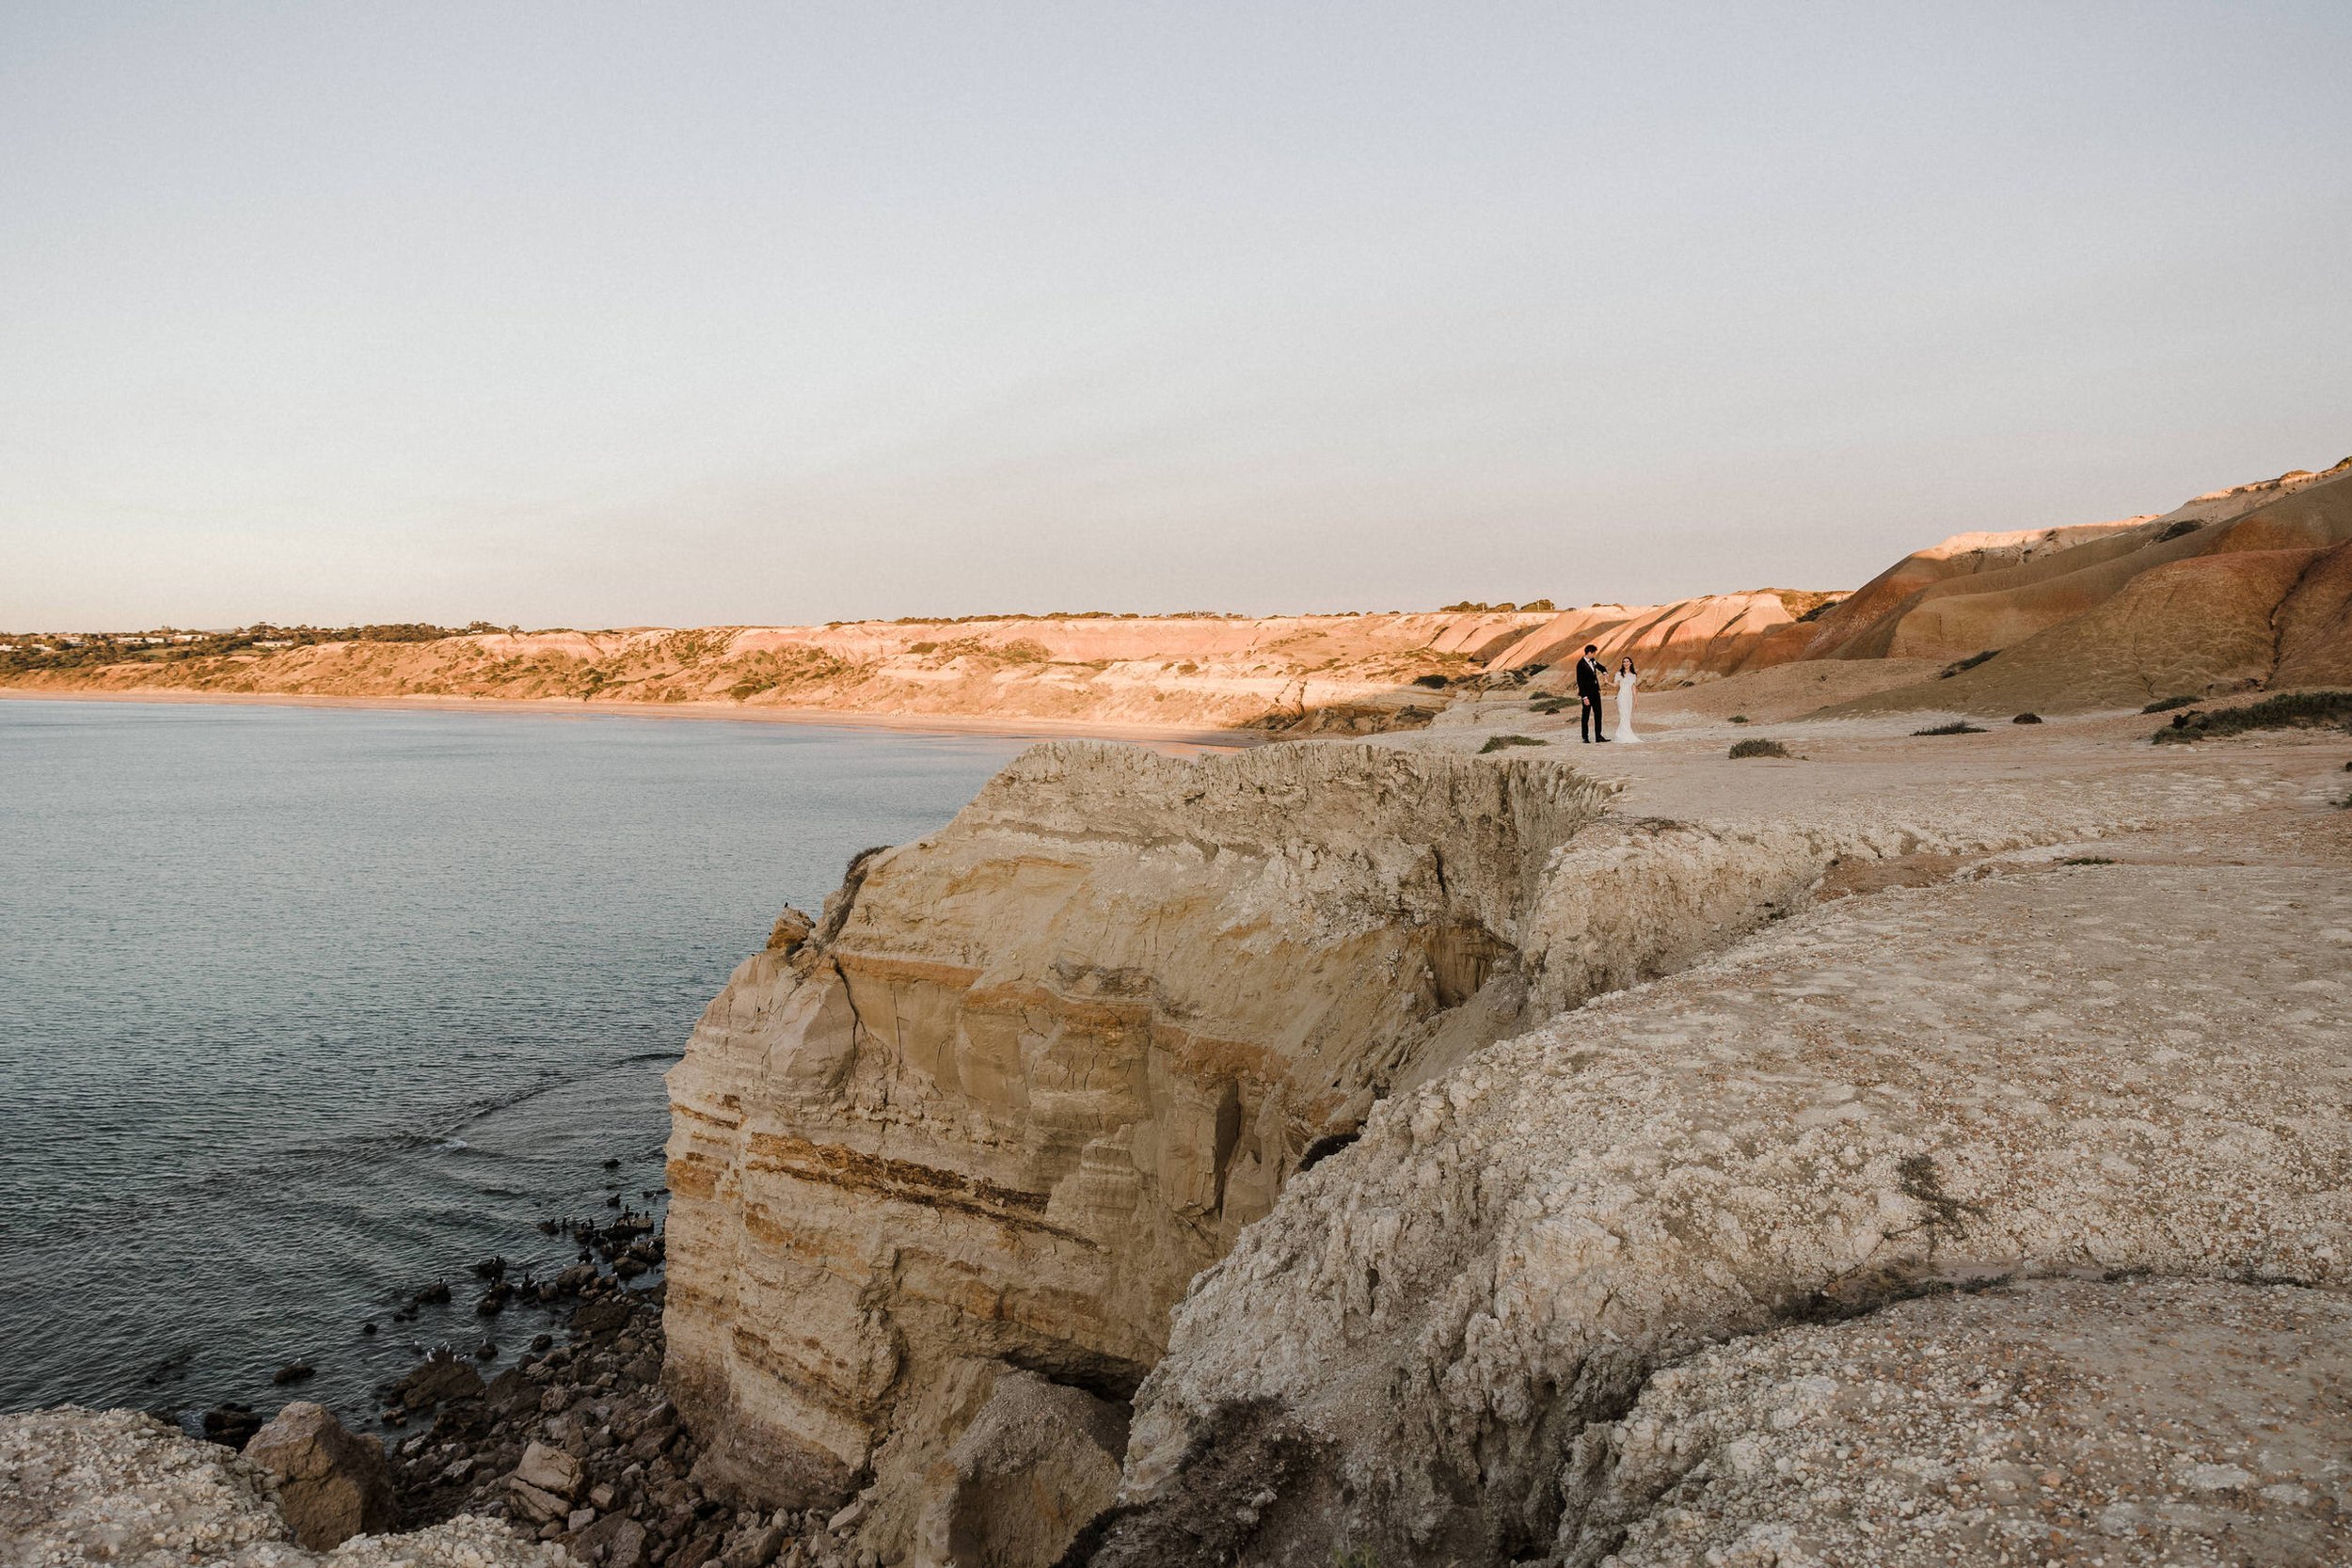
(24, 651)
(2287, 710)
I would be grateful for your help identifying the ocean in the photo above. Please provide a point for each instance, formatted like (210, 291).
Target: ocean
(304, 1009)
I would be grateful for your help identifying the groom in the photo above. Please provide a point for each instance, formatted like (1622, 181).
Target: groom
(1588, 694)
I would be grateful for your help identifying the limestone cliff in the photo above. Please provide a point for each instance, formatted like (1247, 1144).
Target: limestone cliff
(1027, 1077)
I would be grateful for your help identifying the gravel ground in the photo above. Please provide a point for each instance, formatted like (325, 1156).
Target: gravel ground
(2050, 1421)
(115, 1486)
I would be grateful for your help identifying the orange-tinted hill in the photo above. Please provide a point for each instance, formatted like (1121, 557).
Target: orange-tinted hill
(2244, 590)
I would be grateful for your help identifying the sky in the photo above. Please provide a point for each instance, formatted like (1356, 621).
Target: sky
(603, 315)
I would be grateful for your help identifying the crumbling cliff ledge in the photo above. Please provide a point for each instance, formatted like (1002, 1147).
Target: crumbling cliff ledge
(1430, 1349)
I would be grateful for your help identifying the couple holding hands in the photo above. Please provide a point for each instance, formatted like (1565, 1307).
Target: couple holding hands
(1589, 674)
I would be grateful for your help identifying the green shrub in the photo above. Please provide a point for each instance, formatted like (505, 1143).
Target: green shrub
(2088, 860)
(1760, 747)
(2166, 704)
(1958, 726)
(1738, 718)
(2288, 711)
(1499, 742)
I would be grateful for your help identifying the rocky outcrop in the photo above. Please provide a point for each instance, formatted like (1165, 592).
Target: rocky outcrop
(1421, 1351)
(118, 1488)
(1036, 1465)
(1027, 1077)
(331, 1484)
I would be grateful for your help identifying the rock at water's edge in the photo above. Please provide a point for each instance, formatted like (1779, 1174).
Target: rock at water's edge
(334, 1484)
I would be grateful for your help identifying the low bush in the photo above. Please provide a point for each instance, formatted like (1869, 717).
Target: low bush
(1958, 726)
(2288, 711)
(1499, 743)
(1738, 718)
(1959, 664)
(2166, 704)
(1760, 747)
(2088, 860)
(2026, 719)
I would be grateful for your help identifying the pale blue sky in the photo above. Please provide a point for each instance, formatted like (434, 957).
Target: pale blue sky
(674, 313)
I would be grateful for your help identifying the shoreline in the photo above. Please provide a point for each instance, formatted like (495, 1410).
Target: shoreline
(567, 707)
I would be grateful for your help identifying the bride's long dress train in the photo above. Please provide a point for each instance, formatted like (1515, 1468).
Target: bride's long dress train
(1625, 710)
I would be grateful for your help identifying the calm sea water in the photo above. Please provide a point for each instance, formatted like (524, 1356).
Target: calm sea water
(302, 1008)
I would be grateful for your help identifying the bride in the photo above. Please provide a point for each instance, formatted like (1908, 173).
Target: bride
(1627, 678)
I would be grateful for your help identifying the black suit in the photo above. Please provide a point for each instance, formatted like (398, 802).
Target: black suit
(1588, 699)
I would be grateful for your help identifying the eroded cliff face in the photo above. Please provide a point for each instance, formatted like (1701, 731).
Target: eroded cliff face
(1027, 1077)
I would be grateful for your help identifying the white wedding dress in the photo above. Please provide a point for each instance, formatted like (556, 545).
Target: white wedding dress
(1625, 708)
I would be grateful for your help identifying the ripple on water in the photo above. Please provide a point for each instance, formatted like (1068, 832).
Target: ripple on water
(300, 1009)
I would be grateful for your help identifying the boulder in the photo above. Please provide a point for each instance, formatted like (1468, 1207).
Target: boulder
(601, 1316)
(615, 1541)
(232, 1425)
(439, 1377)
(529, 1503)
(551, 1470)
(1036, 1465)
(333, 1484)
